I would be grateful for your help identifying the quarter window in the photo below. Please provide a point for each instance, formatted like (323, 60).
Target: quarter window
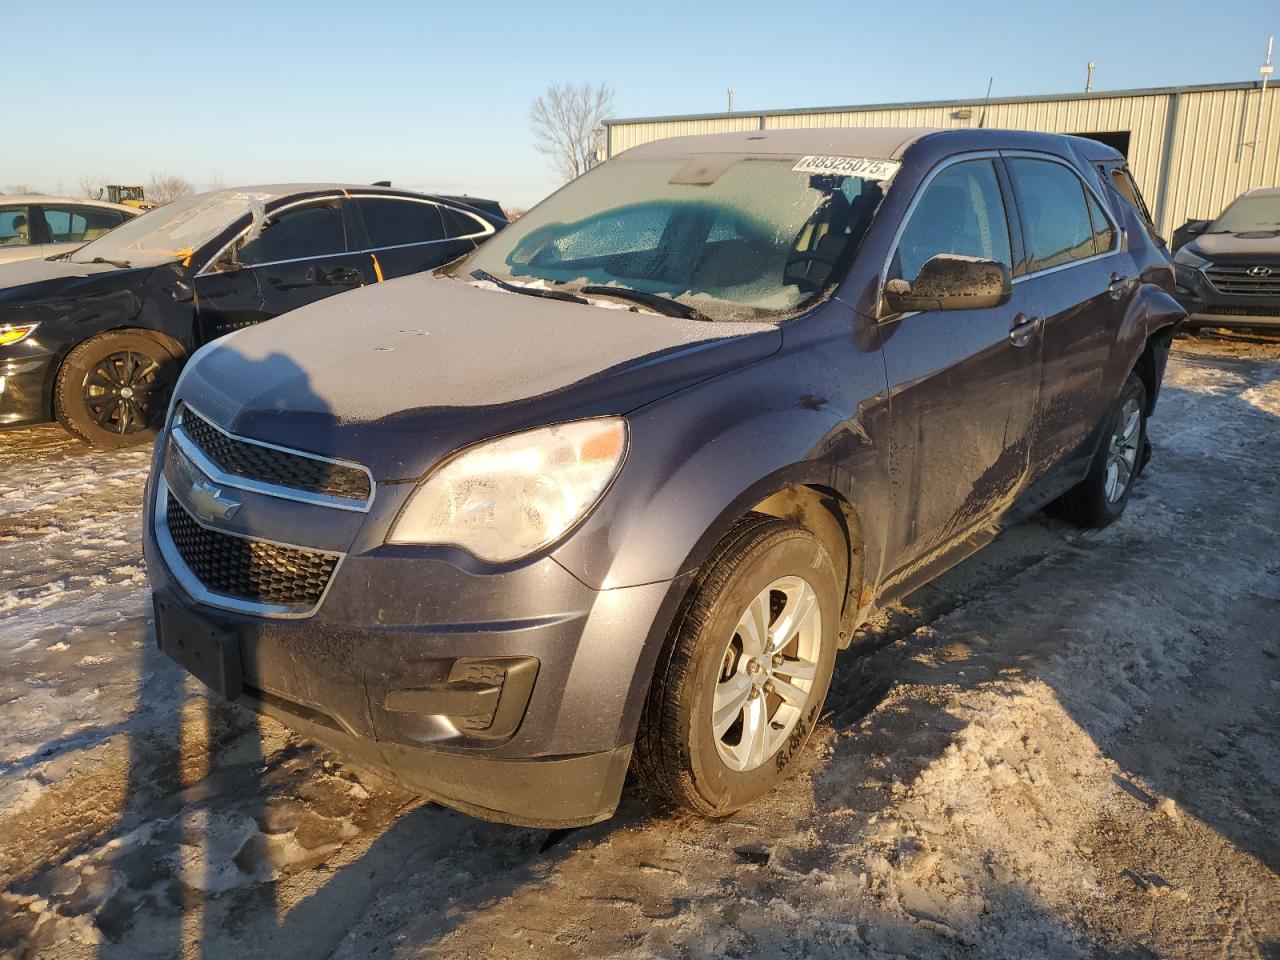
(15, 229)
(1055, 215)
(459, 224)
(396, 223)
(962, 212)
(315, 230)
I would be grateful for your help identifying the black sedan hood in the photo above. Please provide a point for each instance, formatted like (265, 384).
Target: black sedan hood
(399, 374)
(30, 280)
(1260, 247)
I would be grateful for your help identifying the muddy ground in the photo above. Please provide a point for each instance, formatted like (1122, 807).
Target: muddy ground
(1066, 747)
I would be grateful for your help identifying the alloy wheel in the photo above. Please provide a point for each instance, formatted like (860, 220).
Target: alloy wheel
(1122, 451)
(767, 673)
(125, 391)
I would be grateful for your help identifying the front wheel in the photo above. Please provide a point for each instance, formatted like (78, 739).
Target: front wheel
(743, 676)
(113, 389)
(1100, 497)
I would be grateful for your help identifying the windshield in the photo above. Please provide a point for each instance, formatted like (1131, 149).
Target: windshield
(736, 237)
(1249, 215)
(167, 233)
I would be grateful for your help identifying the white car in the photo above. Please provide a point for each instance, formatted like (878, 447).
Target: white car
(33, 227)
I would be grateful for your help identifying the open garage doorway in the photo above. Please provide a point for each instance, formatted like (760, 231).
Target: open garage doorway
(1118, 139)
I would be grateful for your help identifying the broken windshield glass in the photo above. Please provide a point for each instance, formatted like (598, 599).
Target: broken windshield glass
(170, 232)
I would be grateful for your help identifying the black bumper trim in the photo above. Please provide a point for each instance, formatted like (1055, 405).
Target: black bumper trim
(548, 792)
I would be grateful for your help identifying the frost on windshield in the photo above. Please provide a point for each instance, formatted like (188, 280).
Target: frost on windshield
(739, 237)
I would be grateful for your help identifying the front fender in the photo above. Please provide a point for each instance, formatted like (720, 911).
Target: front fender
(701, 458)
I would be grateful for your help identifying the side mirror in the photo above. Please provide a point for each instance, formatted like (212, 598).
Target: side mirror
(951, 281)
(1197, 226)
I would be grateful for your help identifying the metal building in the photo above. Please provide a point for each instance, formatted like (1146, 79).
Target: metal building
(1191, 149)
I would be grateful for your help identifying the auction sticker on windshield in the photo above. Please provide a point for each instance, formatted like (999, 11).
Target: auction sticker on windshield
(865, 167)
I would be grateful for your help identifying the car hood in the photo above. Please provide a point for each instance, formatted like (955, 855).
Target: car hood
(29, 280)
(399, 374)
(1233, 247)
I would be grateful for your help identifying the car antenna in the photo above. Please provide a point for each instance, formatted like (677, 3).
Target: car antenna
(380, 183)
(985, 100)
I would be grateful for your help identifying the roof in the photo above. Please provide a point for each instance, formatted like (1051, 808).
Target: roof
(968, 102)
(880, 142)
(78, 201)
(1262, 192)
(277, 190)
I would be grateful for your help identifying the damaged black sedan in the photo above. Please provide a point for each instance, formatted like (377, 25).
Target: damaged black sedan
(95, 338)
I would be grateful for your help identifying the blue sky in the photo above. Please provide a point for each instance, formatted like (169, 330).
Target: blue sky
(437, 96)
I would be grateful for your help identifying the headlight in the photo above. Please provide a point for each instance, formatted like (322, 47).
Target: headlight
(1185, 258)
(15, 332)
(503, 499)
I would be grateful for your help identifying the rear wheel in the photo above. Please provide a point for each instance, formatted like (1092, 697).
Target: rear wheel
(1100, 497)
(113, 389)
(742, 679)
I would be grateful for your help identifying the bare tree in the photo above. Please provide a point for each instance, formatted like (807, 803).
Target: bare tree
(20, 190)
(567, 122)
(165, 187)
(92, 187)
(216, 183)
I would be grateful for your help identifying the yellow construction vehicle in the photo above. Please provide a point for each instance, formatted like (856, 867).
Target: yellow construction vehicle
(130, 196)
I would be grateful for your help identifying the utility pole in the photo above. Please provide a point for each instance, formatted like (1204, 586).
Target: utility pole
(1088, 80)
(1266, 70)
(731, 99)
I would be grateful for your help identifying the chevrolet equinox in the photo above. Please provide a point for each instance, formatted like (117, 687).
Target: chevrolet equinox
(611, 492)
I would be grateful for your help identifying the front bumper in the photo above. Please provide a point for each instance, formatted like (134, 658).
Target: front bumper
(510, 695)
(25, 382)
(1208, 306)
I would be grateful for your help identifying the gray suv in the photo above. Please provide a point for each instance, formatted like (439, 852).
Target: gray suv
(611, 492)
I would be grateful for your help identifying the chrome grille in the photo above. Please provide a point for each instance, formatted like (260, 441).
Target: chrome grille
(1238, 280)
(271, 465)
(253, 571)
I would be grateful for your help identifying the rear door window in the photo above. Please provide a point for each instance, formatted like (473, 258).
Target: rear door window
(961, 212)
(1056, 225)
(299, 233)
(79, 224)
(15, 227)
(391, 222)
(1104, 233)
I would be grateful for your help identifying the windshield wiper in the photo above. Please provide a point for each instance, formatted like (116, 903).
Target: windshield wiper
(664, 305)
(122, 264)
(488, 277)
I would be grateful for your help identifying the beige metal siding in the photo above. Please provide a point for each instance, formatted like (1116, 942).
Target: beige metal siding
(1199, 131)
(626, 136)
(1209, 166)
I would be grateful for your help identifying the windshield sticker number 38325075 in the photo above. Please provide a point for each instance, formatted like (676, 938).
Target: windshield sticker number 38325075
(867, 168)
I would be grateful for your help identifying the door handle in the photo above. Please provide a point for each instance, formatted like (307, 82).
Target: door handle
(1023, 329)
(1119, 284)
(337, 277)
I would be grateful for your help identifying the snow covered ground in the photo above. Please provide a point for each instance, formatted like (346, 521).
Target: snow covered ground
(1067, 747)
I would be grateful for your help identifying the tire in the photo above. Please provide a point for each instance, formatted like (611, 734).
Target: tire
(708, 655)
(1094, 501)
(113, 390)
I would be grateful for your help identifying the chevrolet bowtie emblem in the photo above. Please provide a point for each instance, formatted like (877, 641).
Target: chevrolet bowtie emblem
(209, 503)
